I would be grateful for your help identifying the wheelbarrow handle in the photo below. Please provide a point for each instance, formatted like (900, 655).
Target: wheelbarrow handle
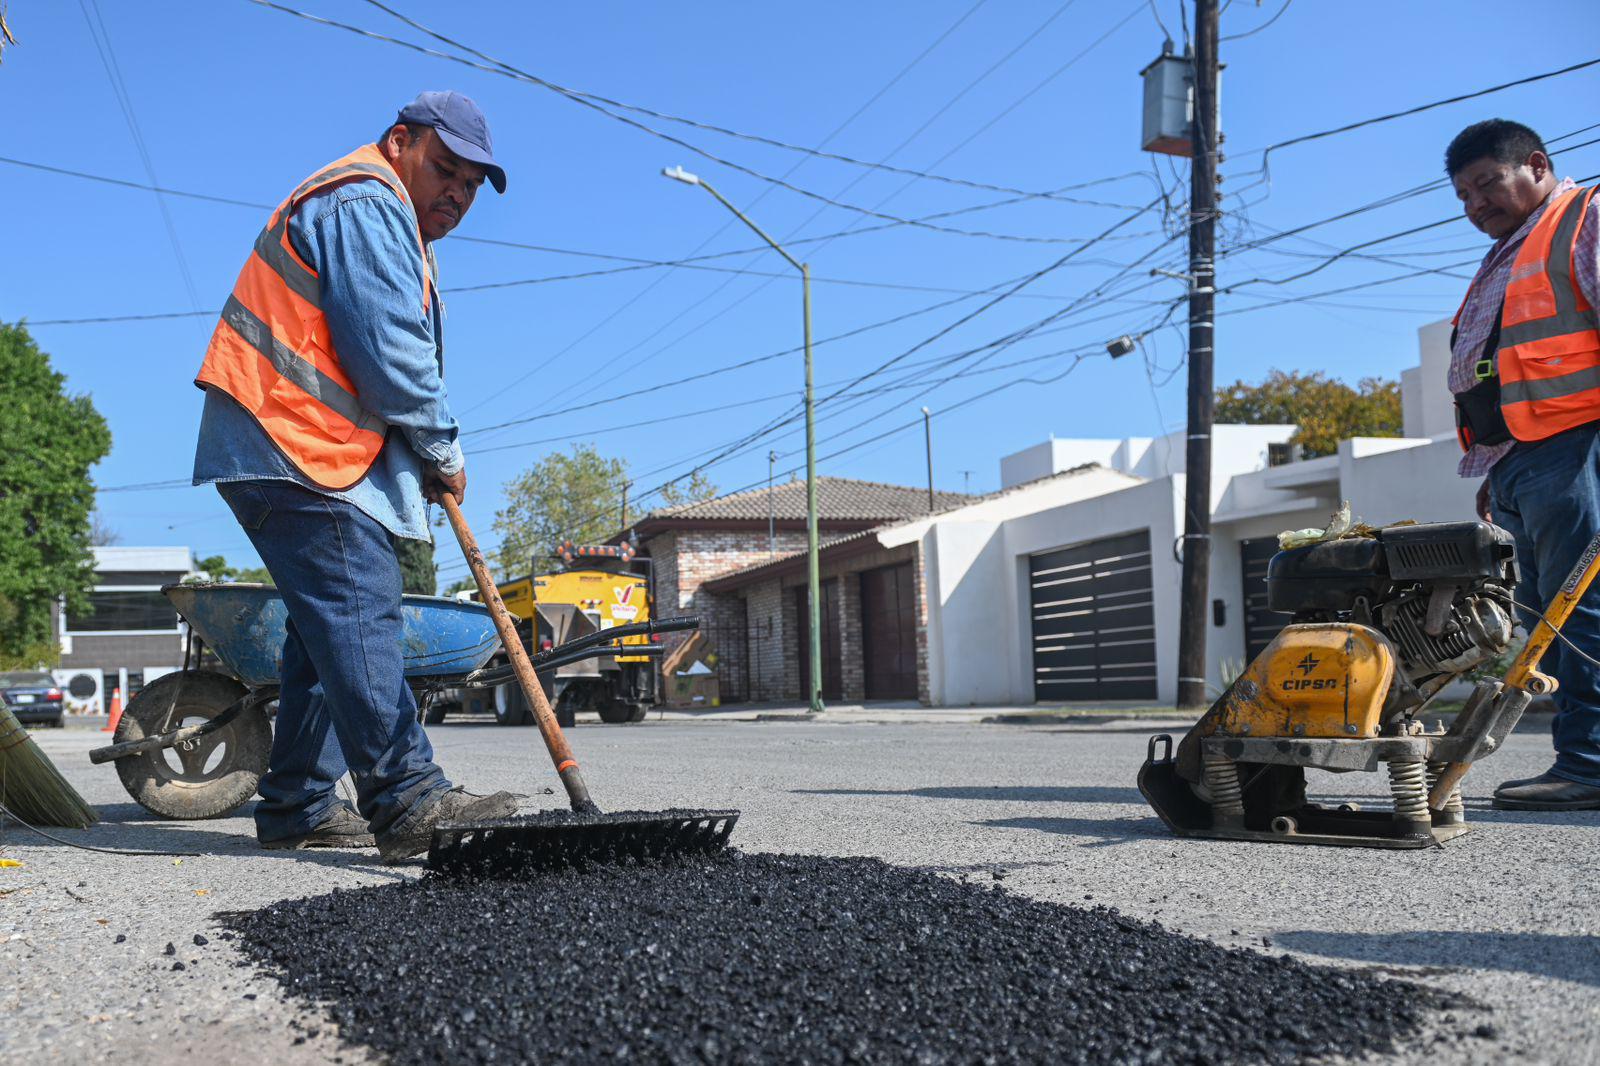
(543, 715)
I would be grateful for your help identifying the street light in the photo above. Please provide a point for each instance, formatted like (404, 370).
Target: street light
(813, 569)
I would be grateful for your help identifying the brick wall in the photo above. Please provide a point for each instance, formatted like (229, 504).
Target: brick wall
(766, 629)
(687, 558)
(852, 668)
(757, 628)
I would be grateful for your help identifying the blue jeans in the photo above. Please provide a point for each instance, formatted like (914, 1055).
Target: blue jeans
(1547, 494)
(343, 702)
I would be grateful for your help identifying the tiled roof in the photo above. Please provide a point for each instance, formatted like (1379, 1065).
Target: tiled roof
(838, 498)
(740, 576)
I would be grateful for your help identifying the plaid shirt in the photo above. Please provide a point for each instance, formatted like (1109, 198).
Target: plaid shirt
(1482, 309)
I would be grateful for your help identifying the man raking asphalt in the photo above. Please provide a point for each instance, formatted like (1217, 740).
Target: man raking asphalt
(325, 427)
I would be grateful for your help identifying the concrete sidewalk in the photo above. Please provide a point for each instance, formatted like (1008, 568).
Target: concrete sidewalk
(887, 712)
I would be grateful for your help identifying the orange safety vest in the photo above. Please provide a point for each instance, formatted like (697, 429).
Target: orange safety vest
(1549, 342)
(1545, 374)
(272, 353)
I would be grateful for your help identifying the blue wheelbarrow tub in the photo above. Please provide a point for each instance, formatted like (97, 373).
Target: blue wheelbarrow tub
(244, 624)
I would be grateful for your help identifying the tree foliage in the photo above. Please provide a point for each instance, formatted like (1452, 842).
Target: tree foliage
(217, 569)
(1327, 411)
(417, 570)
(48, 441)
(576, 495)
(696, 488)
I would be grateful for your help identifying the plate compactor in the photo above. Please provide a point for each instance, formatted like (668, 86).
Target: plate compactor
(1381, 623)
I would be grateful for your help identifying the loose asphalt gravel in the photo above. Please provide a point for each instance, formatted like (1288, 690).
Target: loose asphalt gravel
(789, 959)
(1502, 922)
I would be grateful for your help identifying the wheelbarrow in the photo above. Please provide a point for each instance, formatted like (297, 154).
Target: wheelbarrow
(194, 743)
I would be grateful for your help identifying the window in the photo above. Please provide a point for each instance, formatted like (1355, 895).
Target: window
(123, 610)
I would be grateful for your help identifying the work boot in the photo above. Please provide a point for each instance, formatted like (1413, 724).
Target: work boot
(343, 828)
(1548, 792)
(412, 835)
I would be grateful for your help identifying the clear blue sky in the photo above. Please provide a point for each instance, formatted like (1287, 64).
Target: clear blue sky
(239, 101)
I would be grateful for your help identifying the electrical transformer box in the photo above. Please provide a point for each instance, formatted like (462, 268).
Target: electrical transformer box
(1168, 104)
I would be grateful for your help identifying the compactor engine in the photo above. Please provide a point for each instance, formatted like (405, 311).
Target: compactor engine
(1380, 624)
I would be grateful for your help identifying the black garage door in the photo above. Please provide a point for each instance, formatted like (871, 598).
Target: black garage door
(1094, 632)
(1260, 624)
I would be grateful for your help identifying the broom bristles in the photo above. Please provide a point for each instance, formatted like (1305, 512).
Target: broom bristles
(30, 784)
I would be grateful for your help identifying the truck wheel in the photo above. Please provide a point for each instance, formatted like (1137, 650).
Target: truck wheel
(567, 707)
(510, 705)
(613, 712)
(214, 774)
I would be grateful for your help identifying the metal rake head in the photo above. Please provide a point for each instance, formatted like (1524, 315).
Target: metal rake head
(558, 840)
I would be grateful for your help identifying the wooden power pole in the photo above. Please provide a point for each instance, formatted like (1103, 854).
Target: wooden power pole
(1202, 297)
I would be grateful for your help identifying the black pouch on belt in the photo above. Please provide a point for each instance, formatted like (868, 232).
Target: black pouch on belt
(1479, 419)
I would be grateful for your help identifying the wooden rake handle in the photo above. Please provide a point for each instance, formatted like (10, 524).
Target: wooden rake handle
(543, 715)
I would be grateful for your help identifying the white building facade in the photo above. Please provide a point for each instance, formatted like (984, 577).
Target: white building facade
(1035, 598)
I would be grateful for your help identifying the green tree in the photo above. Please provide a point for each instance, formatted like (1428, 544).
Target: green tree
(696, 488)
(576, 495)
(218, 569)
(417, 570)
(48, 441)
(1327, 411)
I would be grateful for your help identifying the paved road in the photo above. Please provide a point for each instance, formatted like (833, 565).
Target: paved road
(1508, 917)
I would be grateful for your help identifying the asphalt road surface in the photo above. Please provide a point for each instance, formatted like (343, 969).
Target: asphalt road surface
(1506, 918)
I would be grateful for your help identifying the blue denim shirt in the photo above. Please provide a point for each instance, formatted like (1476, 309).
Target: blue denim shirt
(360, 238)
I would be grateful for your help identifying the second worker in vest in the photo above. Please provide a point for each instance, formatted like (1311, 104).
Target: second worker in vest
(1525, 371)
(325, 427)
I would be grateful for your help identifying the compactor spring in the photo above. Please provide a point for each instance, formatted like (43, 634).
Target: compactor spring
(1222, 781)
(1453, 805)
(1408, 783)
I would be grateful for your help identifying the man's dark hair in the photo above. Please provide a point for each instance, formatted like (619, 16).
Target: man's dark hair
(1499, 139)
(413, 128)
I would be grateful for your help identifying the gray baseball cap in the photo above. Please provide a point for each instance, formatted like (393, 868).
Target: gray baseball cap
(460, 124)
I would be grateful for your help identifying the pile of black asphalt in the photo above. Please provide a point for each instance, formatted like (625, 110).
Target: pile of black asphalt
(783, 958)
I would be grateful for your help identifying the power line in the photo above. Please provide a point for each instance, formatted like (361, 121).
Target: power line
(516, 73)
(119, 89)
(1422, 107)
(823, 242)
(1258, 29)
(721, 229)
(590, 101)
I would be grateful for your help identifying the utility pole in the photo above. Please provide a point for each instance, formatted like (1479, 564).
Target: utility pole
(625, 486)
(1204, 140)
(927, 435)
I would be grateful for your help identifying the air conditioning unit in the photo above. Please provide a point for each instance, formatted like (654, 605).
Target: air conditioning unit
(82, 691)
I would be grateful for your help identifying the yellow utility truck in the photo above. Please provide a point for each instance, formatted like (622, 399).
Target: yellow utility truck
(595, 588)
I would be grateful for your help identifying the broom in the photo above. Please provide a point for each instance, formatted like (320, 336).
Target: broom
(32, 790)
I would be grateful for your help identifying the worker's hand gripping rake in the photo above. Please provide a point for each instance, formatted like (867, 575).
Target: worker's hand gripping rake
(557, 839)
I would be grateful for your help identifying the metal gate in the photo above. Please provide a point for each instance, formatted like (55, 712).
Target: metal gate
(725, 629)
(1094, 621)
(1260, 624)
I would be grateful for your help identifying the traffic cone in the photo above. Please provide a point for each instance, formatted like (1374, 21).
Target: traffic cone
(116, 711)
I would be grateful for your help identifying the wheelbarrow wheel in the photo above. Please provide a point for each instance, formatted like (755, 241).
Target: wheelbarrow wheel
(213, 775)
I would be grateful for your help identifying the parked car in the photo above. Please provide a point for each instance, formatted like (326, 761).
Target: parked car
(33, 696)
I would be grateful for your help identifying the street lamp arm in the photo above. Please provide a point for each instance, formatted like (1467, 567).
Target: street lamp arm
(776, 247)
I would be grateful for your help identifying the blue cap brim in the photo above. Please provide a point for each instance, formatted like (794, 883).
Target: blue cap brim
(473, 154)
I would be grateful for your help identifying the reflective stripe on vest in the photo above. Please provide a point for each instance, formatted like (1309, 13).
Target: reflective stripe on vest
(271, 350)
(1549, 352)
